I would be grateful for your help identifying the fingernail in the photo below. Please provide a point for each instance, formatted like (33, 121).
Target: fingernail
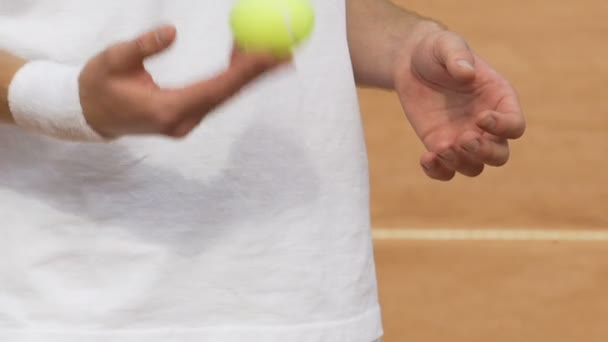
(488, 122)
(160, 37)
(471, 146)
(448, 155)
(466, 64)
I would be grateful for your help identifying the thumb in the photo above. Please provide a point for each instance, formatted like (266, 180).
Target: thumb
(455, 54)
(129, 54)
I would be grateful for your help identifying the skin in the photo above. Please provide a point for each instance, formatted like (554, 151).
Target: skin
(464, 112)
(119, 96)
(9, 65)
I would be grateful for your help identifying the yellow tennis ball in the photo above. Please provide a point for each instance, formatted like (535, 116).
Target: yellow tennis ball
(274, 26)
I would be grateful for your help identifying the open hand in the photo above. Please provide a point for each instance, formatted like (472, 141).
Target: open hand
(463, 110)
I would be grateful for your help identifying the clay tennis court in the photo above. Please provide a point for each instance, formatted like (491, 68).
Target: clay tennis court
(527, 256)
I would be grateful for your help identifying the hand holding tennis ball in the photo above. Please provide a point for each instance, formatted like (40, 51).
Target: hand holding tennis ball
(271, 26)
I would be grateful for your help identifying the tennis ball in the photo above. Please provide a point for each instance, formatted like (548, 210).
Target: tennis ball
(271, 26)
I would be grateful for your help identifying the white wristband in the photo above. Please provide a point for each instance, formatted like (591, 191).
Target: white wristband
(44, 97)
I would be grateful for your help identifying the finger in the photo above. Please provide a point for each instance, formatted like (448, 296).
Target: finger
(239, 56)
(503, 125)
(454, 158)
(126, 55)
(488, 149)
(185, 127)
(454, 52)
(468, 165)
(435, 169)
(235, 53)
(208, 94)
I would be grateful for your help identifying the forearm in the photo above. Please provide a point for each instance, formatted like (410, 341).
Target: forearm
(379, 35)
(9, 65)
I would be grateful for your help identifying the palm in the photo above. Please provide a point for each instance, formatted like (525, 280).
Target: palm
(441, 109)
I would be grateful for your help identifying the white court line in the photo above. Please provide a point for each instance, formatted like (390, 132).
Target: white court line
(489, 234)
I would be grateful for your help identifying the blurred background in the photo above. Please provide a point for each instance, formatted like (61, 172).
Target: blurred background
(524, 289)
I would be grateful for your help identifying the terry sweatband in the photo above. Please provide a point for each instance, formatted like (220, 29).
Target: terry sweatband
(44, 97)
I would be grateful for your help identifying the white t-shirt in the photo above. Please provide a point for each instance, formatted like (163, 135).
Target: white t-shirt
(254, 228)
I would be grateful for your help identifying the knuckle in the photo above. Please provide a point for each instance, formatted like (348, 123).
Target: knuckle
(445, 40)
(142, 44)
(445, 149)
(443, 36)
(148, 43)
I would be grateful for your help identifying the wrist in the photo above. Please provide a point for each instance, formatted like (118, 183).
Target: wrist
(10, 65)
(405, 51)
(43, 97)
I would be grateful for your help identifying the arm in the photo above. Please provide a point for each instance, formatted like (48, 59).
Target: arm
(463, 110)
(379, 33)
(9, 64)
(114, 95)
